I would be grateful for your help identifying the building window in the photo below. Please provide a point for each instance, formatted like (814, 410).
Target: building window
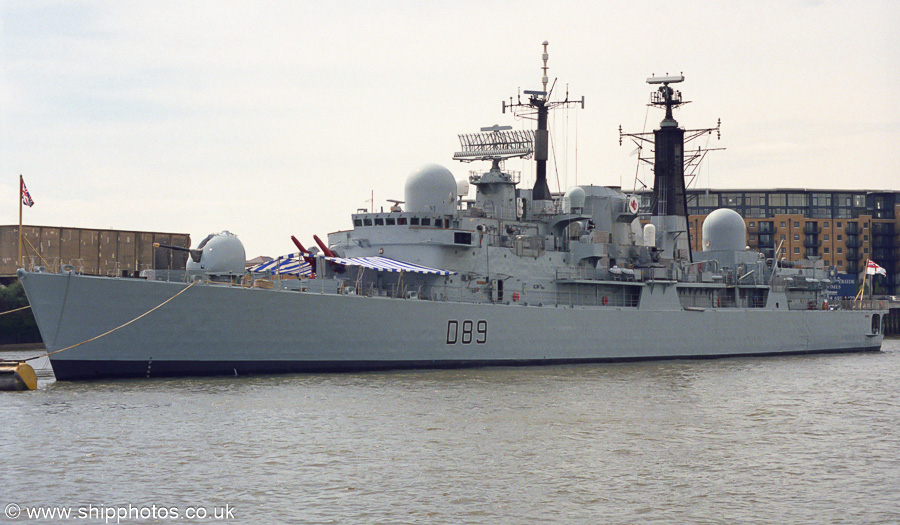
(753, 237)
(826, 236)
(798, 199)
(732, 200)
(840, 263)
(782, 236)
(796, 237)
(866, 226)
(782, 224)
(708, 200)
(859, 201)
(865, 237)
(796, 251)
(821, 199)
(825, 224)
(796, 224)
(827, 262)
(840, 251)
(827, 249)
(755, 199)
(777, 199)
(838, 224)
(752, 224)
(865, 250)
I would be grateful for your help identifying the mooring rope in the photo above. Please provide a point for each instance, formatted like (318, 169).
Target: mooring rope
(157, 307)
(16, 310)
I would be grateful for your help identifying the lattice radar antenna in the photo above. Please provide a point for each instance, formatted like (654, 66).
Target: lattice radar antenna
(495, 143)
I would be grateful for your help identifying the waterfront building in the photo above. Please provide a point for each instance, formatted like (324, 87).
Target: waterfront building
(843, 228)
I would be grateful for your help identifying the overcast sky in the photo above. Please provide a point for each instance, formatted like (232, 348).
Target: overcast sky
(276, 118)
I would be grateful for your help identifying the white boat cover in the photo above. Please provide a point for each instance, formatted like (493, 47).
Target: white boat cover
(284, 265)
(384, 264)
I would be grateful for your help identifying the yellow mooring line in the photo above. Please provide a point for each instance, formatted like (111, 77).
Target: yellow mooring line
(16, 310)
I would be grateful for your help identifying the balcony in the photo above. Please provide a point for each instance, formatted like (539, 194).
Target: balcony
(811, 228)
(853, 241)
(766, 241)
(852, 268)
(812, 252)
(766, 227)
(883, 228)
(853, 254)
(882, 256)
(811, 241)
(883, 242)
(852, 228)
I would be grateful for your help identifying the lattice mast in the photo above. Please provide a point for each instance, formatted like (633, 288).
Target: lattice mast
(539, 102)
(668, 205)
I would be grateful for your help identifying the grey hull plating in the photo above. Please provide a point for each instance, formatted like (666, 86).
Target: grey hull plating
(217, 329)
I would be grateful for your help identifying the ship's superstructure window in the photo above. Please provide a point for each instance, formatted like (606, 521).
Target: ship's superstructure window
(426, 221)
(462, 238)
(357, 222)
(367, 222)
(413, 221)
(379, 221)
(390, 221)
(401, 221)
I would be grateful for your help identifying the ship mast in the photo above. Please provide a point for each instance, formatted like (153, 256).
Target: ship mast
(539, 103)
(668, 205)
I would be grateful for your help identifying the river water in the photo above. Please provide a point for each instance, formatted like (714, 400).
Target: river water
(801, 439)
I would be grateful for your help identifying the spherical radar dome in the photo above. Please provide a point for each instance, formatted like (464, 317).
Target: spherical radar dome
(431, 188)
(724, 229)
(573, 199)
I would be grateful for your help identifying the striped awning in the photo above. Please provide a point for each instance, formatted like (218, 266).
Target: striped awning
(285, 265)
(384, 264)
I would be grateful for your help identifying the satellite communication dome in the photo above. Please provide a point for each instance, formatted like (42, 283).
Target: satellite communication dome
(431, 188)
(573, 200)
(220, 253)
(724, 229)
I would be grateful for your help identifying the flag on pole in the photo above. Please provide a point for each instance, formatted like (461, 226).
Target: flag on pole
(26, 197)
(872, 268)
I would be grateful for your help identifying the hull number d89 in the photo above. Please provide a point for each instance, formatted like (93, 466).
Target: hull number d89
(466, 332)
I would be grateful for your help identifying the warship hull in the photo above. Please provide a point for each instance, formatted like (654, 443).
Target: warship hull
(214, 329)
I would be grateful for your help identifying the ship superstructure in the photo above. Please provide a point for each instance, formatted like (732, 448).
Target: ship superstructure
(508, 276)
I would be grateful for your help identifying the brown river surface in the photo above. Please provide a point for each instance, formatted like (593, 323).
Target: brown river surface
(800, 439)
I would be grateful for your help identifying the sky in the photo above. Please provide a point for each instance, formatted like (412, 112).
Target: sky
(277, 118)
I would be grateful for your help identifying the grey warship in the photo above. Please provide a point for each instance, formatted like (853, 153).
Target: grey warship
(512, 276)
